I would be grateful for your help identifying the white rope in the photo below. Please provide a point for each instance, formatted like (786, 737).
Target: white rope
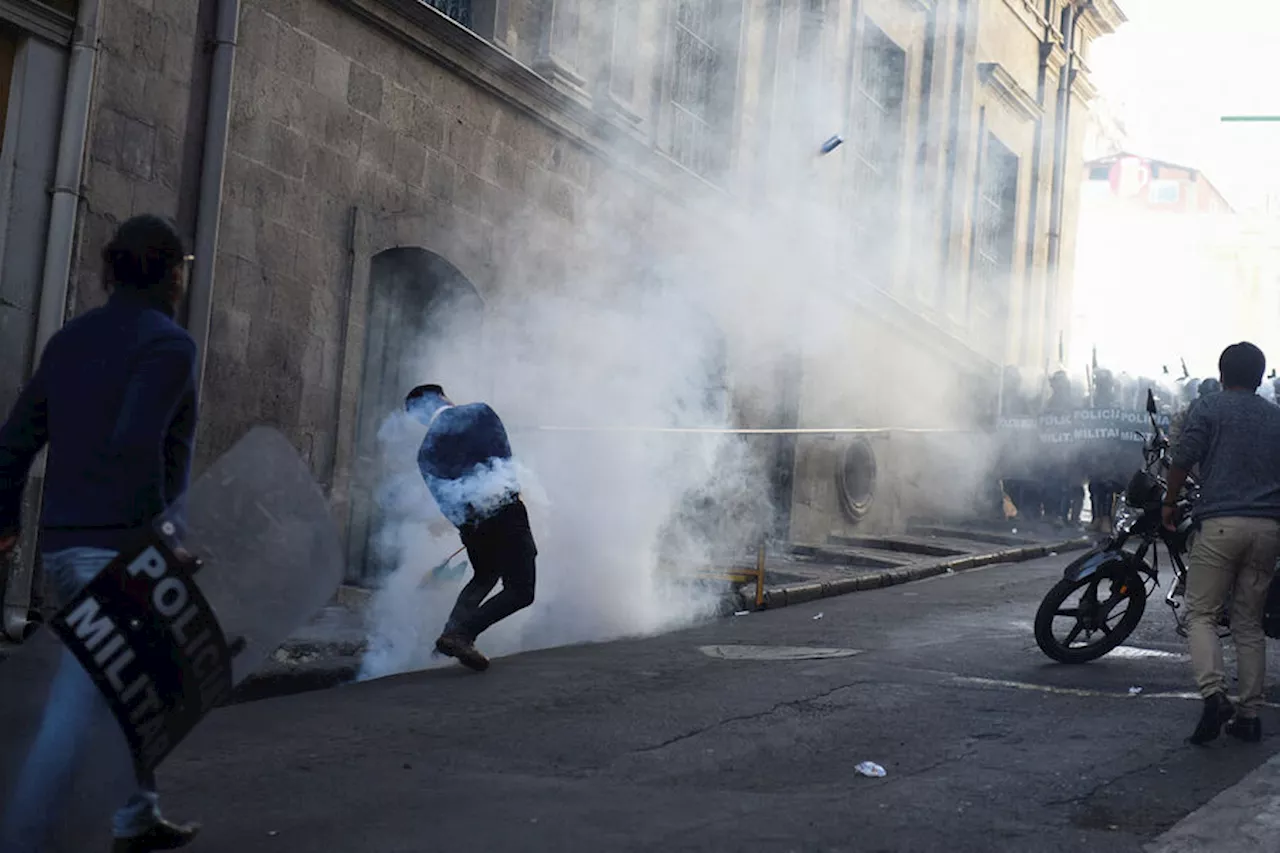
(727, 431)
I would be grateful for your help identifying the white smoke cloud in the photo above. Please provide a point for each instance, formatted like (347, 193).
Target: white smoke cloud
(649, 314)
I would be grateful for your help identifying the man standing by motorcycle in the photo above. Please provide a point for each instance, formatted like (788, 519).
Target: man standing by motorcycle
(1234, 437)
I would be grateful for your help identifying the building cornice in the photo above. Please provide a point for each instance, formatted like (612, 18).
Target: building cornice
(997, 78)
(1106, 16)
(35, 17)
(1082, 87)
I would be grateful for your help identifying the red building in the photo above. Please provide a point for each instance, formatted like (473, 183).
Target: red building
(1155, 184)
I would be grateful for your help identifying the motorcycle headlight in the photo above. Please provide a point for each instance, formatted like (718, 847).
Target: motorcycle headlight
(1125, 516)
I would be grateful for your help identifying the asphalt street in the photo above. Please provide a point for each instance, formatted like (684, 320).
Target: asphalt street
(684, 742)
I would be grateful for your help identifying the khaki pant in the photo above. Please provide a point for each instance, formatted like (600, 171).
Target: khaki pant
(1227, 552)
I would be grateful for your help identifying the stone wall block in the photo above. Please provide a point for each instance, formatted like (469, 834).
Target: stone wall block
(154, 197)
(123, 86)
(278, 254)
(377, 146)
(180, 51)
(364, 91)
(249, 292)
(167, 103)
(111, 192)
(428, 124)
(332, 73)
(167, 165)
(150, 34)
(315, 114)
(238, 232)
(465, 145)
(291, 303)
(137, 147)
(398, 108)
(296, 54)
(229, 332)
(410, 161)
(259, 35)
(441, 176)
(286, 150)
(343, 130)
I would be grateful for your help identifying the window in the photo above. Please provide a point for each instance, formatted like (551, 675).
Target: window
(459, 10)
(1163, 192)
(995, 223)
(626, 42)
(876, 140)
(695, 102)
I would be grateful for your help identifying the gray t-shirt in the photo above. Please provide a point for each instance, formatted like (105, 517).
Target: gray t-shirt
(1235, 438)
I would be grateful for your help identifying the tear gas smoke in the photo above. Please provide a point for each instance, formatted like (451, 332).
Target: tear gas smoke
(707, 310)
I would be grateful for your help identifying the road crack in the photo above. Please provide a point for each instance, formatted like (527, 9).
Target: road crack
(799, 704)
(1081, 799)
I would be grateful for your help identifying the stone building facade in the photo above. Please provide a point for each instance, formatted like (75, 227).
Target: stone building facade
(370, 142)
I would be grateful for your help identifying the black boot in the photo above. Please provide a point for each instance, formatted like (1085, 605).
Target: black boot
(162, 836)
(1247, 729)
(1217, 710)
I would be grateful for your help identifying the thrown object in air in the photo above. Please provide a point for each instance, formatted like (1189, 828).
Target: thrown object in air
(832, 144)
(819, 616)
(871, 769)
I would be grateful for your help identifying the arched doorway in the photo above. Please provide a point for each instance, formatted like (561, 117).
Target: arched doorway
(424, 325)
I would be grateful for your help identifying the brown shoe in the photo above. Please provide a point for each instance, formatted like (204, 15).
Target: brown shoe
(456, 646)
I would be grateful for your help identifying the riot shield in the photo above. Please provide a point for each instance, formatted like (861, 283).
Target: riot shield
(157, 640)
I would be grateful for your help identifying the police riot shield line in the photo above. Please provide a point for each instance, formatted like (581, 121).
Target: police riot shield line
(1108, 441)
(162, 634)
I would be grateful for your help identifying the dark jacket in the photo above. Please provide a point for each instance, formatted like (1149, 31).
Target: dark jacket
(465, 460)
(114, 398)
(1234, 436)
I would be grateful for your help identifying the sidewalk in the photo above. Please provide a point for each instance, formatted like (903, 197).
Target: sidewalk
(1242, 819)
(327, 651)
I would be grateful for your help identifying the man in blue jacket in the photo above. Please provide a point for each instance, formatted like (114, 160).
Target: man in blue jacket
(114, 398)
(465, 460)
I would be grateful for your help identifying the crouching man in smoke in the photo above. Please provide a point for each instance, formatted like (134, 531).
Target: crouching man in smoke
(465, 460)
(114, 398)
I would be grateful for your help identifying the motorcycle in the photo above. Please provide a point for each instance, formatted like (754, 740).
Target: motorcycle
(1115, 579)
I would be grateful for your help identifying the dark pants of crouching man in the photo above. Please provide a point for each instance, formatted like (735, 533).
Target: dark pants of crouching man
(500, 548)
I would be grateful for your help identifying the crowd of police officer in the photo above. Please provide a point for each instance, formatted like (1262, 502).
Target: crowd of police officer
(1048, 483)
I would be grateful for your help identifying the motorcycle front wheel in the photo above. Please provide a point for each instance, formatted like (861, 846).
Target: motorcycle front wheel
(1103, 614)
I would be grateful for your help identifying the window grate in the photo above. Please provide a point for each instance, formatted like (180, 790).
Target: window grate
(875, 146)
(458, 10)
(994, 231)
(696, 66)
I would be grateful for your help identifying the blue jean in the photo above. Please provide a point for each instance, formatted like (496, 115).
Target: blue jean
(73, 707)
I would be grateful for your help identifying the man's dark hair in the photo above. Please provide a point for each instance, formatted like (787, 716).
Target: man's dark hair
(144, 253)
(1242, 366)
(420, 392)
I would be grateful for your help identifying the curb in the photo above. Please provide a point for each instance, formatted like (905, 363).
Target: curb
(784, 596)
(324, 666)
(285, 680)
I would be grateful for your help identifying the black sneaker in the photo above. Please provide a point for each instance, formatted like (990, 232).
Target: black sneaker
(457, 646)
(1217, 710)
(162, 836)
(1247, 729)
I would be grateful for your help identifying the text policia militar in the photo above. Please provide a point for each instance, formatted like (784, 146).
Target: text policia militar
(1085, 426)
(149, 639)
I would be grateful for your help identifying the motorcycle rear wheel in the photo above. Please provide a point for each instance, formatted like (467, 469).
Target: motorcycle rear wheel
(1128, 588)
